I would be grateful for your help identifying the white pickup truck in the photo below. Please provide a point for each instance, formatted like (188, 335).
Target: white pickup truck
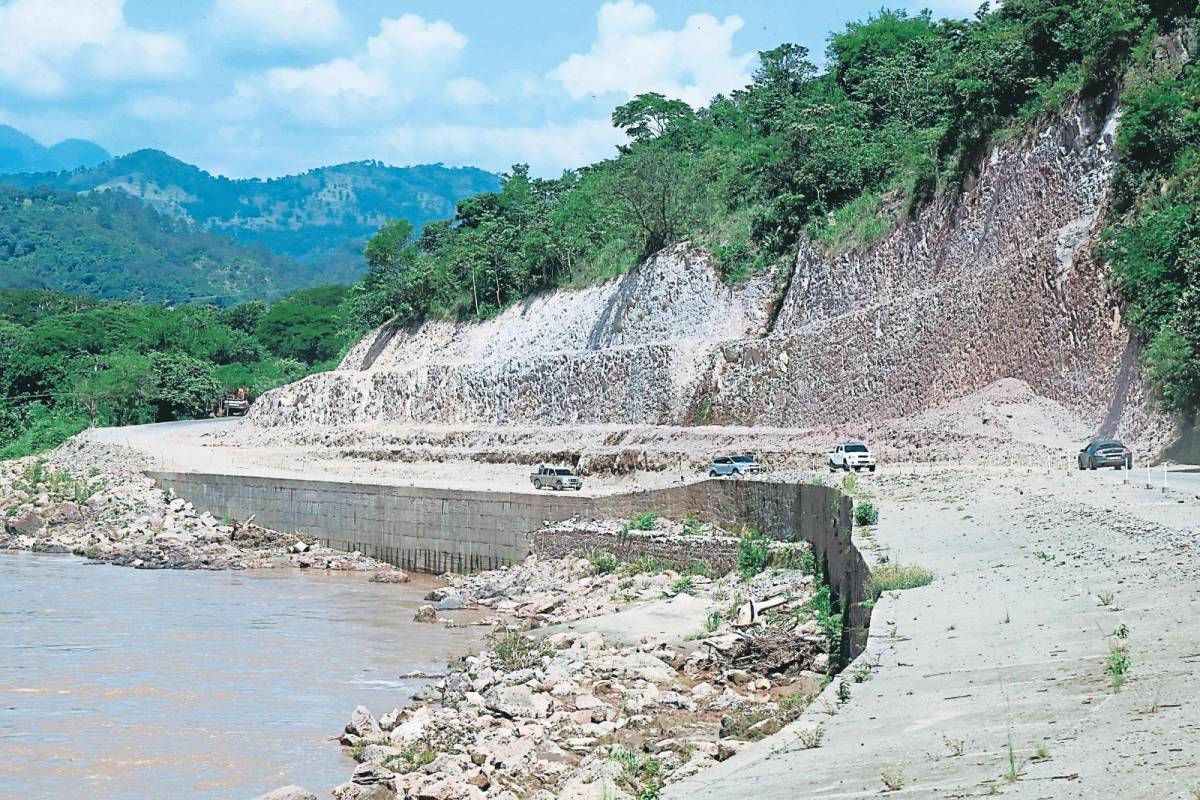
(851, 456)
(555, 478)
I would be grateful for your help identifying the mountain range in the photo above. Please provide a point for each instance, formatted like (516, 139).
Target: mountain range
(321, 217)
(21, 153)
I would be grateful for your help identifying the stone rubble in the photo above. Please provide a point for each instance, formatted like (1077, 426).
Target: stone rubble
(91, 500)
(577, 715)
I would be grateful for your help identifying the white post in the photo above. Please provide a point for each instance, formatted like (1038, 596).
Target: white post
(1148, 484)
(1164, 485)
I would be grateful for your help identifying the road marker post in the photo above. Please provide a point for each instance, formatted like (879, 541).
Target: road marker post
(1164, 483)
(1148, 484)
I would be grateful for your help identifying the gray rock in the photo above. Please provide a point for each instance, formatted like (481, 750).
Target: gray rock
(450, 602)
(518, 702)
(27, 524)
(425, 614)
(288, 793)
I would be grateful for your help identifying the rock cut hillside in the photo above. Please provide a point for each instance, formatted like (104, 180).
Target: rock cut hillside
(998, 282)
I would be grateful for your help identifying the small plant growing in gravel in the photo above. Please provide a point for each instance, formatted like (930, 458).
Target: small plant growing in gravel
(685, 584)
(887, 577)
(811, 738)
(865, 513)
(843, 691)
(1041, 555)
(893, 780)
(992, 790)
(955, 746)
(603, 562)
(1121, 631)
(92, 552)
(753, 554)
(1117, 665)
(692, 526)
(714, 621)
(1013, 773)
(513, 651)
(410, 760)
(644, 522)
(1041, 752)
(1104, 598)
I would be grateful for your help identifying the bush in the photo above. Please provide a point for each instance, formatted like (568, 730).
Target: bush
(890, 577)
(753, 554)
(603, 562)
(644, 522)
(514, 650)
(865, 513)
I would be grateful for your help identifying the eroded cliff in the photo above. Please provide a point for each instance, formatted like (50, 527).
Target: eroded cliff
(997, 282)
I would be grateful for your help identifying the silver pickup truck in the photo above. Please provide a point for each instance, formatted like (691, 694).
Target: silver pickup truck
(555, 478)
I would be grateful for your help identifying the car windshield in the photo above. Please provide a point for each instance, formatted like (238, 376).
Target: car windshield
(562, 472)
(856, 448)
(1110, 443)
(743, 460)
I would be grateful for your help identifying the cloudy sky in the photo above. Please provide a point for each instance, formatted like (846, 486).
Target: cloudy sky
(269, 87)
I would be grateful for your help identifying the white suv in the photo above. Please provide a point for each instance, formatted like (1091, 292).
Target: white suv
(852, 456)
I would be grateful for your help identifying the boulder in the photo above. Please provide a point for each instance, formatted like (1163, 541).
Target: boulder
(390, 576)
(425, 614)
(450, 602)
(28, 523)
(518, 702)
(635, 666)
(362, 723)
(288, 793)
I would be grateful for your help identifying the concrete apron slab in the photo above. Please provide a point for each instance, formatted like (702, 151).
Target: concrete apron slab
(1002, 655)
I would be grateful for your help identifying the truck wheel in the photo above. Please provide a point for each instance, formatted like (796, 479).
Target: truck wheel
(871, 468)
(537, 484)
(579, 488)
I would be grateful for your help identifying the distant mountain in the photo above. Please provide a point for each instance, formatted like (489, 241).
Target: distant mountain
(323, 216)
(20, 153)
(108, 245)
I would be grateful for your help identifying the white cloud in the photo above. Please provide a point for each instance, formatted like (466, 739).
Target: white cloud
(549, 149)
(46, 45)
(279, 22)
(468, 93)
(631, 56)
(409, 57)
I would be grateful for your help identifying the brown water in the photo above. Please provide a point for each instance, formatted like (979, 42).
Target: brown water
(122, 683)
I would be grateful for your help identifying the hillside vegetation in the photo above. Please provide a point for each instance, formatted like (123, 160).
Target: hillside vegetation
(321, 217)
(903, 110)
(69, 362)
(110, 246)
(1154, 239)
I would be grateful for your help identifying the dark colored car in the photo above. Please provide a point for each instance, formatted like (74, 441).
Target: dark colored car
(1105, 453)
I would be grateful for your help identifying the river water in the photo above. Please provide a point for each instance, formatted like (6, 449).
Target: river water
(123, 683)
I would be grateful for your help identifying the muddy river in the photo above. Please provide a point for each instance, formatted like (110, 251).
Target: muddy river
(122, 683)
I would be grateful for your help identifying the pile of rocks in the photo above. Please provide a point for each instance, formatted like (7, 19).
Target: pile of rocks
(585, 715)
(92, 500)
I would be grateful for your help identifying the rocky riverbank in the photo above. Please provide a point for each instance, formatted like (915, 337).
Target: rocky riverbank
(93, 500)
(602, 679)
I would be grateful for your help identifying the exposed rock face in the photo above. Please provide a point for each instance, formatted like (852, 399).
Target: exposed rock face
(998, 282)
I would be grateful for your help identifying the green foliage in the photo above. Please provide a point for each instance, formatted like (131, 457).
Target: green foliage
(865, 513)
(319, 218)
(513, 650)
(753, 554)
(66, 362)
(892, 576)
(603, 562)
(112, 246)
(1154, 243)
(644, 522)
(904, 108)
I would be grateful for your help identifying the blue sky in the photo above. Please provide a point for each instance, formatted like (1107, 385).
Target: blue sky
(270, 87)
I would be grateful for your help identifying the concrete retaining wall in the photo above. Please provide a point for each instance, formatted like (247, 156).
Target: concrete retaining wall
(448, 530)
